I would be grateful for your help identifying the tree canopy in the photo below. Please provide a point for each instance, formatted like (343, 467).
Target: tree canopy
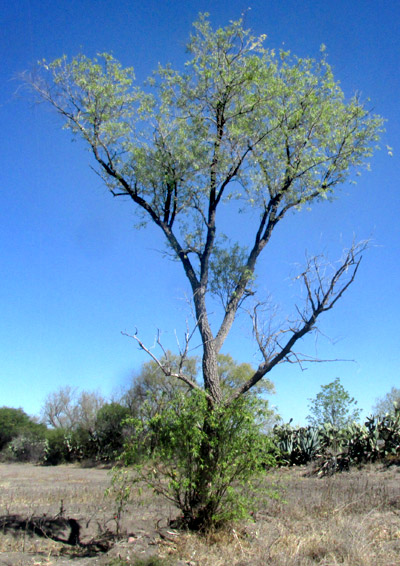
(241, 123)
(14, 422)
(333, 405)
(68, 409)
(389, 403)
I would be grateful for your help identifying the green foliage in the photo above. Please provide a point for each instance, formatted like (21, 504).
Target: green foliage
(240, 123)
(228, 266)
(233, 374)
(56, 449)
(202, 460)
(297, 446)
(15, 422)
(152, 390)
(333, 405)
(27, 448)
(110, 430)
(120, 490)
(89, 428)
(63, 445)
(240, 111)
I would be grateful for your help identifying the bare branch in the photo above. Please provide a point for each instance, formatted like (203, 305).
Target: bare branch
(165, 368)
(322, 293)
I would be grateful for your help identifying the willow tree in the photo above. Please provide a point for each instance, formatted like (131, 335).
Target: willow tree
(240, 123)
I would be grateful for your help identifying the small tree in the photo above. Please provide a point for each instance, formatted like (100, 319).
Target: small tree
(172, 458)
(333, 406)
(68, 409)
(152, 389)
(241, 124)
(110, 430)
(388, 403)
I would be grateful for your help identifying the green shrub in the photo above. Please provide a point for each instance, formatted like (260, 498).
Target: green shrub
(110, 430)
(26, 448)
(57, 448)
(15, 422)
(203, 461)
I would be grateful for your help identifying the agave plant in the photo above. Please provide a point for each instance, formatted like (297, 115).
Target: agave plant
(297, 445)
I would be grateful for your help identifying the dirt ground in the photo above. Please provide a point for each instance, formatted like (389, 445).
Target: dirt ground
(60, 515)
(41, 506)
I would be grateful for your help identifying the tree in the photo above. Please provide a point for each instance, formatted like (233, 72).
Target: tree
(388, 403)
(59, 409)
(110, 430)
(334, 406)
(152, 389)
(241, 124)
(15, 422)
(68, 409)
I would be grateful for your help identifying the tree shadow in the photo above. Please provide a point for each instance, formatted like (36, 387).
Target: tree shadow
(59, 529)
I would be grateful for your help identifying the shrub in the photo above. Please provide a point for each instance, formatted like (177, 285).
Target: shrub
(203, 461)
(15, 422)
(110, 430)
(57, 449)
(26, 448)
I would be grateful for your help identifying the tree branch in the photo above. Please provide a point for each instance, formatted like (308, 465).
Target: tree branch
(165, 368)
(322, 294)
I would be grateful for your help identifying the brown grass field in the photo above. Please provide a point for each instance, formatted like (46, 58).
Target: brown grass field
(351, 519)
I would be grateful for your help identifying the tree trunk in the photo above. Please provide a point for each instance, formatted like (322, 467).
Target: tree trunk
(210, 361)
(210, 371)
(203, 504)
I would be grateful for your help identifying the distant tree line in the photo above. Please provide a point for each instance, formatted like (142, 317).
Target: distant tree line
(84, 427)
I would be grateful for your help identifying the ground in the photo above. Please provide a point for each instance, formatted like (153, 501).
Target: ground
(351, 519)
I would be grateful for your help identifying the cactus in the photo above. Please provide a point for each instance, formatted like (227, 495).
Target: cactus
(297, 445)
(338, 449)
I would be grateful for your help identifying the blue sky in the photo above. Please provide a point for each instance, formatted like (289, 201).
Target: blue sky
(75, 272)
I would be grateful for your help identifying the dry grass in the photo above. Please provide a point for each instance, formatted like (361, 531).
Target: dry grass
(351, 519)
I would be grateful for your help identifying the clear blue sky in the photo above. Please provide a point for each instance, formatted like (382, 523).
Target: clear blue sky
(75, 272)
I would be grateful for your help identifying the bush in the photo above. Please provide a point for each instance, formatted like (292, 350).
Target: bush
(26, 448)
(203, 461)
(15, 422)
(110, 430)
(57, 448)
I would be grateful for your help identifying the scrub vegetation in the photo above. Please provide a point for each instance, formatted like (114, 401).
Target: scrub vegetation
(241, 132)
(351, 519)
(204, 471)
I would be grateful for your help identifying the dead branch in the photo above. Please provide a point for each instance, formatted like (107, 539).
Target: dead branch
(322, 293)
(165, 367)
